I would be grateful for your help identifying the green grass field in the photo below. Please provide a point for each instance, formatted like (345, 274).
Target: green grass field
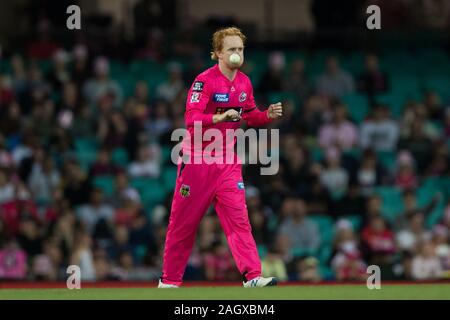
(305, 292)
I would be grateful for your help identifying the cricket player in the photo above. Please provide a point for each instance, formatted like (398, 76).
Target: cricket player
(219, 98)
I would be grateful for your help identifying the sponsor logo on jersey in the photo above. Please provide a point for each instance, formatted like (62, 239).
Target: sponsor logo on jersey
(185, 191)
(198, 86)
(195, 97)
(221, 97)
(242, 97)
(220, 110)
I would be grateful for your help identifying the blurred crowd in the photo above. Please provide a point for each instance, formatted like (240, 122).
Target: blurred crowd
(52, 214)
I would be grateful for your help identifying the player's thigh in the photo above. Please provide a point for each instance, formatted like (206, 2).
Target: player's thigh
(192, 196)
(230, 201)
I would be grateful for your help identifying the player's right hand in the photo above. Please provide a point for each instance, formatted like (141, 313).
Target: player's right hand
(230, 115)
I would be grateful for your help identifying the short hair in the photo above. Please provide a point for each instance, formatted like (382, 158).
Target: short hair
(219, 35)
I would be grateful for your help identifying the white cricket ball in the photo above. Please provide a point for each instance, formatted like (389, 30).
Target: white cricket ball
(235, 58)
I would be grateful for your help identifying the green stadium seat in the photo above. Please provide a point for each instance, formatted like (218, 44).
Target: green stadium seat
(275, 97)
(431, 187)
(119, 157)
(387, 159)
(151, 191)
(324, 254)
(301, 252)
(262, 251)
(356, 221)
(84, 144)
(166, 152)
(105, 183)
(325, 224)
(86, 158)
(326, 272)
(169, 176)
(357, 106)
(317, 154)
(392, 201)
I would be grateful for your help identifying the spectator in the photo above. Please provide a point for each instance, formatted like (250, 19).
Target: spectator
(413, 234)
(405, 176)
(418, 143)
(426, 264)
(130, 210)
(80, 72)
(348, 265)
(378, 241)
(219, 264)
(102, 85)
(103, 165)
(297, 82)
(12, 252)
(433, 105)
(168, 90)
(59, 74)
(96, 210)
(159, 122)
(369, 174)
(441, 245)
(7, 192)
(272, 79)
(345, 236)
(308, 270)
(372, 81)
(83, 257)
(379, 132)
(273, 264)
(335, 82)
(340, 132)
(44, 178)
(148, 163)
(300, 232)
(112, 129)
(333, 176)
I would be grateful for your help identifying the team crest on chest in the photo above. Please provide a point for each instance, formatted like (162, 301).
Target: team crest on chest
(185, 191)
(242, 96)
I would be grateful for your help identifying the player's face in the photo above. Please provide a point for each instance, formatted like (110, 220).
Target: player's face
(232, 44)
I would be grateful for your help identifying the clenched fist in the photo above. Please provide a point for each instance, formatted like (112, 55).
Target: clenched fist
(275, 110)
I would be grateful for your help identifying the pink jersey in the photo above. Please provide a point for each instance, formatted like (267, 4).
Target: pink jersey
(213, 93)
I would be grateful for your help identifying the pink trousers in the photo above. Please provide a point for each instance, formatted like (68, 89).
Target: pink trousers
(197, 187)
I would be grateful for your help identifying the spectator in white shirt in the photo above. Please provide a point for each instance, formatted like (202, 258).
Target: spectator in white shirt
(90, 214)
(148, 163)
(380, 132)
(426, 265)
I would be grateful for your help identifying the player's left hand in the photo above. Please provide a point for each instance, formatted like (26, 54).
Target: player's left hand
(275, 110)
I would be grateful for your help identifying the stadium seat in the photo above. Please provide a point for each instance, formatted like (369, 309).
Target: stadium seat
(119, 157)
(86, 158)
(105, 183)
(392, 201)
(325, 224)
(151, 191)
(357, 106)
(169, 175)
(356, 221)
(83, 144)
(387, 159)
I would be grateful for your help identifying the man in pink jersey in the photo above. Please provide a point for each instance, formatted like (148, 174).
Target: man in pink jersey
(218, 98)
